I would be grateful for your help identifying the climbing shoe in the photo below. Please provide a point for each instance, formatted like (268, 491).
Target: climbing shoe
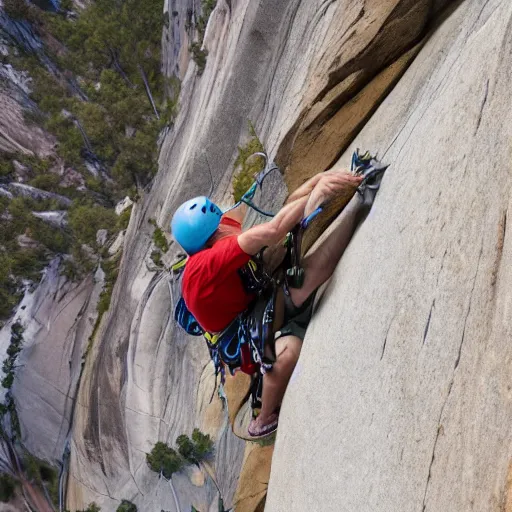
(371, 170)
(372, 178)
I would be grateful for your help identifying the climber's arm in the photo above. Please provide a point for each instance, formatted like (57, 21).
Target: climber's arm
(306, 188)
(272, 232)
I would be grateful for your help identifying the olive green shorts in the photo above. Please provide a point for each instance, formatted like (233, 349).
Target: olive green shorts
(296, 319)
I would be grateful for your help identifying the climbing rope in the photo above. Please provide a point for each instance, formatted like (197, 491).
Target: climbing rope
(258, 182)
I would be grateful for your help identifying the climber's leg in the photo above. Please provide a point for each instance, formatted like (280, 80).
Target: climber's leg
(274, 385)
(320, 262)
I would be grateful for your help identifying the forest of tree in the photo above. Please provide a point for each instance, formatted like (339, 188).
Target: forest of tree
(106, 107)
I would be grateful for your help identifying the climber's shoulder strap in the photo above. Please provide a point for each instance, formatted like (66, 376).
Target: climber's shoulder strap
(178, 267)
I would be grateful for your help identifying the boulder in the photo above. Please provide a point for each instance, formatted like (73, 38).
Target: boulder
(19, 189)
(19, 78)
(123, 205)
(57, 218)
(101, 237)
(25, 242)
(5, 193)
(117, 244)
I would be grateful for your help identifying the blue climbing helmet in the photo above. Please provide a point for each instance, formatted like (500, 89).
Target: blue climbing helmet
(194, 223)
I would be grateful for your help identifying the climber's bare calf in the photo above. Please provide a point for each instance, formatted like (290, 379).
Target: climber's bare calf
(275, 382)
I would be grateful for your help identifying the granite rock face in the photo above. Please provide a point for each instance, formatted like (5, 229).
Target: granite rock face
(401, 400)
(17, 135)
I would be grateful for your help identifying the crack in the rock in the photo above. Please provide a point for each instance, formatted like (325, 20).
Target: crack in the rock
(484, 101)
(428, 102)
(442, 266)
(322, 9)
(439, 425)
(472, 28)
(93, 490)
(457, 361)
(435, 445)
(250, 496)
(348, 68)
(428, 321)
(502, 228)
(133, 478)
(386, 338)
(142, 413)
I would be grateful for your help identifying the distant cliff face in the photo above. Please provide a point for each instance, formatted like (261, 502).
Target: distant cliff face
(58, 318)
(178, 34)
(17, 134)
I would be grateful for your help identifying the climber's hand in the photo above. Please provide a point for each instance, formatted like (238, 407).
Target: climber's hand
(331, 184)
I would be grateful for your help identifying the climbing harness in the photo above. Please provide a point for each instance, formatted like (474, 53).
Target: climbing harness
(240, 346)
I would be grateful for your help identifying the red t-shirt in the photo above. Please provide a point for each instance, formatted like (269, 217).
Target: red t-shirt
(212, 287)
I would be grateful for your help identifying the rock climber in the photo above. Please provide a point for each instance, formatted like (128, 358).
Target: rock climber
(218, 247)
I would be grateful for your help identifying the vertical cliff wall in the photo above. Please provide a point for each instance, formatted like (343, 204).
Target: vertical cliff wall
(308, 75)
(401, 400)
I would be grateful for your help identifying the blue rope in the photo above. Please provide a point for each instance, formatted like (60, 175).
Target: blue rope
(249, 195)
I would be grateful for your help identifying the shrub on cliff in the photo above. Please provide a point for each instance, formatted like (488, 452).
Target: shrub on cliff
(203, 444)
(42, 474)
(199, 55)
(159, 238)
(86, 220)
(16, 9)
(164, 459)
(6, 166)
(13, 350)
(247, 168)
(126, 506)
(196, 449)
(7, 487)
(91, 508)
